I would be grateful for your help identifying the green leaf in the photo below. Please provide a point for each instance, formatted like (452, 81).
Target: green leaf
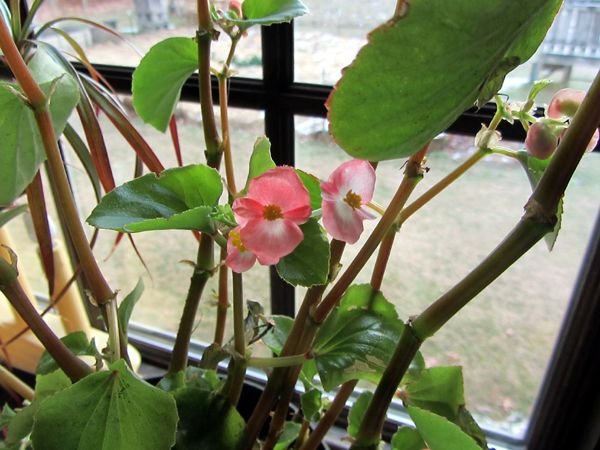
(179, 198)
(107, 410)
(407, 438)
(269, 12)
(207, 421)
(357, 412)
(158, 79)
(79, 345)
(260, 160)
(313, 186)
(311, 403)
(358, 338)
(467, 423)
(308, 264)
(288, 435)
(440, 53)
(11, 213)
(7, 415)
(439, 390)
(127, 305)
(21, 147)
(438, 433)
(535, 168)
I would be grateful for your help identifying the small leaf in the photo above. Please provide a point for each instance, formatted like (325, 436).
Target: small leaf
(381, 107)
(10, 213)
(127, 305)
(438, 433)
(288, 435)
(159, 77)
(21, 147)
(308, 264)
(357, 339)
(407, 438)
(535, 168)
(357, 413)
(110, 409)
(313, 186)
(79, 345)
(207, 421)
(439, 390)
(311, 403)
(468, 425)
(269, 12)
(179, 198)
(260, 160)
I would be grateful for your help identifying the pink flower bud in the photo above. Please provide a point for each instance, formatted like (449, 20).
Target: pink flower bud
(236, 6)
(541, 140)
(565, 103)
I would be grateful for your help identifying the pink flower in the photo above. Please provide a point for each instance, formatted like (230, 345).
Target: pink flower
(348, 189)
(565, 103)
(541, 140)
(239, 259)
(270, 215)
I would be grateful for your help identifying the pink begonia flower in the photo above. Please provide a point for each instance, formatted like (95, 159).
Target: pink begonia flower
(239, 259)
(348, 189)
(270, 215)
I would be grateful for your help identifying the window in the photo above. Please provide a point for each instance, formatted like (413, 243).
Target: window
(278, 95)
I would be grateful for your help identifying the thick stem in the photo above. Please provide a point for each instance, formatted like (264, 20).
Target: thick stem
(229, 171)
(235, 378)
(202, 271)
(71, 365)
(98, 284)
(223, 301)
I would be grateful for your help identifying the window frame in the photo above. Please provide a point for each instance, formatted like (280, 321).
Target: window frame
(567, 408)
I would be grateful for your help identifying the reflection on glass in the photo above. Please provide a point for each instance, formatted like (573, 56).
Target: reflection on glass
(327, 39)
(141, 24)
(505, 337)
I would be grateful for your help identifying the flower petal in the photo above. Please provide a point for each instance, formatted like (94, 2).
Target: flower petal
(247, 209)
(355, 175)
(270, 240)
(239, 261)
(342, 222)
(565, 103)
(280, 186)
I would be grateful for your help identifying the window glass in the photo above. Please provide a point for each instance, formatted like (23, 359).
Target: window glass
(327, 39)
(504, 338)
(141, 23)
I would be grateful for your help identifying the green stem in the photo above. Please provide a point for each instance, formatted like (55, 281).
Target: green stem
(223, 301)
(114, 342)
(539, 218)
(202, 272)
(237, 366)
(10, 287)
(280, 361)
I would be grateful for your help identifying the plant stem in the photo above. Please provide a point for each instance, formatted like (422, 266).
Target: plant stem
(223, 301)
(66, 204)
(539, 218)
(202, 271)
(9, 285)
(229, 171)
(114, 341)
(235, 378)
(204, 36)
(280, 361)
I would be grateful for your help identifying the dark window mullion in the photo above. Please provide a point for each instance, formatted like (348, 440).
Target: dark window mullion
(278, 76)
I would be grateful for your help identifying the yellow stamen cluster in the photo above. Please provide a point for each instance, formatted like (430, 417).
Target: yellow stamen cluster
(272, 212)
(353, 199)
(236, 240)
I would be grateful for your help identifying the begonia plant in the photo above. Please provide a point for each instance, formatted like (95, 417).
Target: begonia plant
(419, 71)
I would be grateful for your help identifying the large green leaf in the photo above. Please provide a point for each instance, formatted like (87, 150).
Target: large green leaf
(207, 421)
(357, 412)
(438, 433)
(126, 307)
(158, 79)
(535, 168)
(77, 342)
(106, 410)
(260, 160)
(308, 264)
(438, 389)
(358, 338)
(179, 198)
(288, 435)
(418, 73)
(407, 438)
(21, 147)
(269, 12)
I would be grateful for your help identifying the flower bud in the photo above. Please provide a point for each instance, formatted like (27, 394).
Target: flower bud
(236, 6)
(565, 103)
(541, 140)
